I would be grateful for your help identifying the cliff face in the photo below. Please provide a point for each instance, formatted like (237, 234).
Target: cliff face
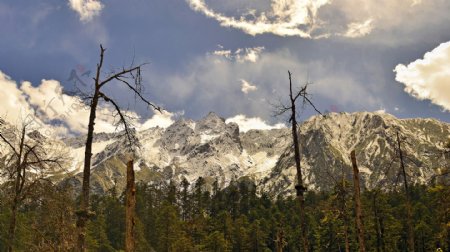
(212, 149)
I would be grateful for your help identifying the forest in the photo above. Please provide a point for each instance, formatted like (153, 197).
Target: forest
(237, 218)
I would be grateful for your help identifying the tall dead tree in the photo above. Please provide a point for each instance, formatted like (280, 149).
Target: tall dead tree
(409, 217)
(280, 240)
(27, 165)
(358, 207)
(343, 210)
(130, 207)
(300, 187)
(131, 78)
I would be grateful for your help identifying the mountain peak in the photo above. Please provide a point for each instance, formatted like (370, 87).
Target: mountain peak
(213, 116)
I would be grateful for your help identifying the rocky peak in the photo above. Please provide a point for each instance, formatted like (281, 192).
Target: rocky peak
(212, 123)
(212, 149)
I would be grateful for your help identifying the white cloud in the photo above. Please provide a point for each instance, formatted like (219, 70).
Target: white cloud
(15, 108)
(251, 54)
(162, 120)
(52, 104)
(357, 29)
(211, 80)
(249, 123)
(322, 18)
(87, 9)
(428, 78)
(247, 87)
(59, 114)
(285, 18)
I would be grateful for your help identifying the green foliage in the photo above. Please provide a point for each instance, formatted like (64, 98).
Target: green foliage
(187, 218)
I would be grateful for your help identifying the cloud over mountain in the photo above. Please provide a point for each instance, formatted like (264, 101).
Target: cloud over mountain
(47, 106)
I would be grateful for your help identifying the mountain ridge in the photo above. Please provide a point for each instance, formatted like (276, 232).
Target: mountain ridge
(216, 150)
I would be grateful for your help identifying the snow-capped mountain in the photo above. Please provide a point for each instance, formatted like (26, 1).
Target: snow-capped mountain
(215, 150)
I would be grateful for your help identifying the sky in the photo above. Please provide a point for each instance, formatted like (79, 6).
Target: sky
(230, 57)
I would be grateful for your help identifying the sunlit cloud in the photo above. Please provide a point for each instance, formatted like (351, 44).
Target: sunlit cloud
(247, 87)
(87, 9)
(315, 19)
(252, 123)
(428, 78)
(60, 114)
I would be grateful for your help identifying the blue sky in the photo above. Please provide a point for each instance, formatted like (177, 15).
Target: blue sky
(232, 57)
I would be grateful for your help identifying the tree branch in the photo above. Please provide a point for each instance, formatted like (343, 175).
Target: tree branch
(117, 75)
(150, 104)
(121, 115)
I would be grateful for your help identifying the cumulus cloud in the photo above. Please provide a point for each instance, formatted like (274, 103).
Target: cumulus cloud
(14, 106)
(53, 106)
(428, 78)
(249, 123)
(87, 9)
(247, 87)
(59, 114)
(320, 18)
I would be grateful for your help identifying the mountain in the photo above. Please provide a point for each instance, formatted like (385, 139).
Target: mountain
(213, 149)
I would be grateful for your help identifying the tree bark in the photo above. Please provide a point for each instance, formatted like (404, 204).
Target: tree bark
(83, 213)
(280, 242)
(344, 212)
(359, 221)
(409, 217)
(130, 209)
(299, 187)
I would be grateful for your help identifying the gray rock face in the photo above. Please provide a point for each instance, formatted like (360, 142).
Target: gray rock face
(327, 143)
(215, 150)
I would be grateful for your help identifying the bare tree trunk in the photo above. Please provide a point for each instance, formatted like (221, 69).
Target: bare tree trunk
(123, 77)
(83, 213)
(280, 242)
(299, 187)
(130, 209)
(359, 222)
(408, 199)
(344, 212)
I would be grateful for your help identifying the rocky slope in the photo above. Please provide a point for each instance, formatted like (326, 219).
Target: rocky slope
(215, 150)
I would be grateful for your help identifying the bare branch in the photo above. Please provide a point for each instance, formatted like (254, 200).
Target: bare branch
(122, 117)
(99, 67)
(119, 74)
(9, 144)
(136, 92)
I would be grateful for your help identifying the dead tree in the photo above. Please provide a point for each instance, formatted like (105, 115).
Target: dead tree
(280, 240)
(27, 165)
(300, 187)
(343, 193)
(358, 207)
(131, 78)
(409, 217)
(130, 209)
